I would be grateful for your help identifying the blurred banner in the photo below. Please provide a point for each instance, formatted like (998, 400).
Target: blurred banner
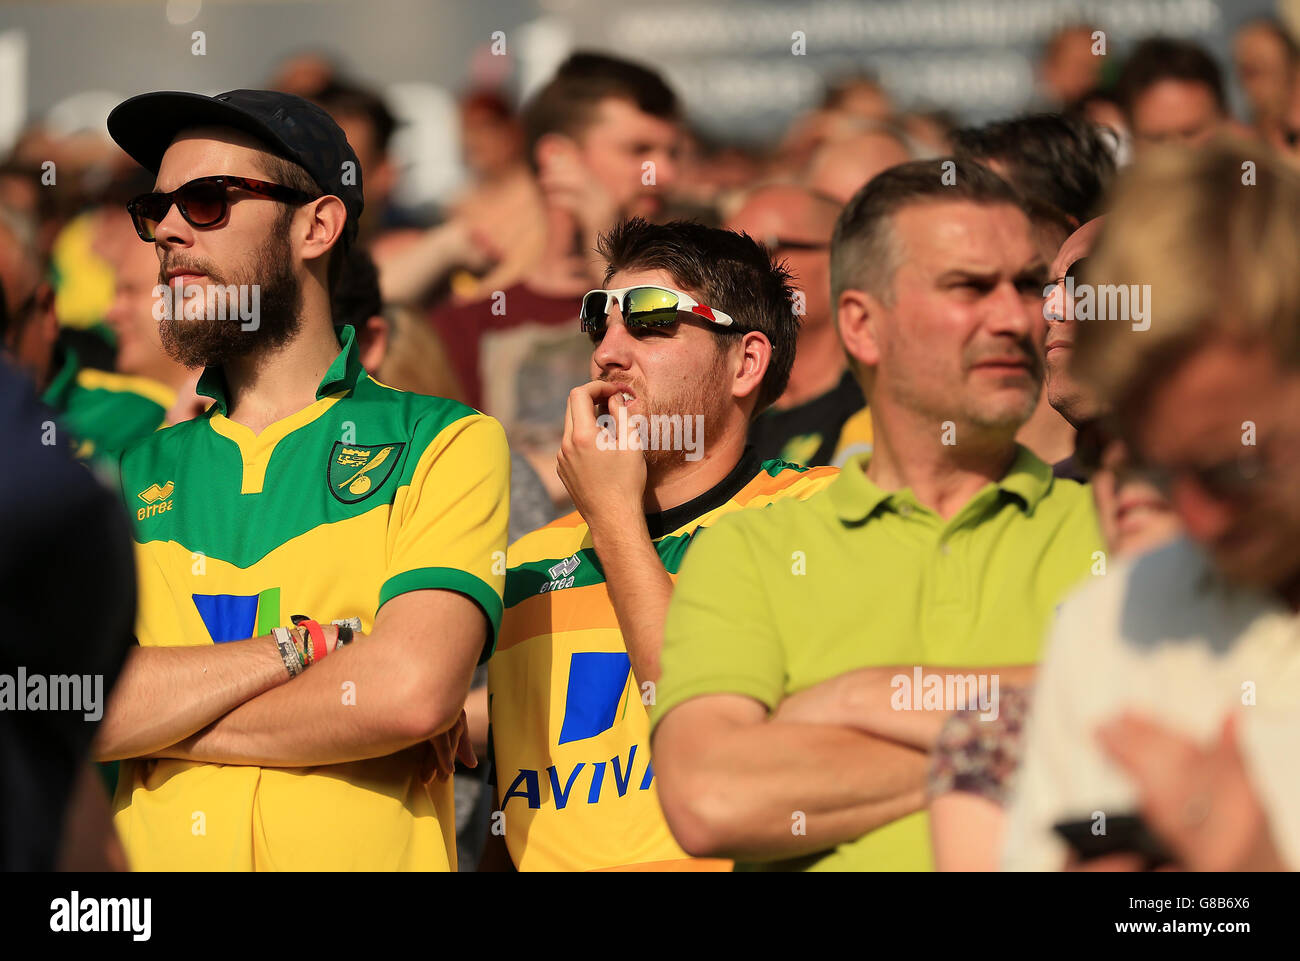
(744, 67)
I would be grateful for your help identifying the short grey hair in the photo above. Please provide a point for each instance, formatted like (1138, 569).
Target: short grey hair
(864, 251)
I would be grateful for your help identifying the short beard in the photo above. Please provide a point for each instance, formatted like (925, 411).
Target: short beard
(212, 342)
(702, 397)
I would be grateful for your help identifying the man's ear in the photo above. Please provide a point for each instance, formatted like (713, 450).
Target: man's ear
(325, 228)
(372, 343)
(857, 318)
(755, 357)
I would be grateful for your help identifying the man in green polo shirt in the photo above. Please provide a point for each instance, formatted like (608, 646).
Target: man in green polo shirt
(813, 649)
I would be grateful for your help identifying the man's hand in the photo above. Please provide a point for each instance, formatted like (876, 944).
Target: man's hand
(567, 184)
(607, 484)
(410, 262)
(1199, 800)
(445, 748)
(462, 244)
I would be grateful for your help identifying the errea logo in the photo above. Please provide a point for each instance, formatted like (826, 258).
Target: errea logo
(158, 499)
(565, 567)
(561, 574)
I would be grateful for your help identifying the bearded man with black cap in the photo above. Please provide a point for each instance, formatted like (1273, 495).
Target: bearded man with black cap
(320, 557)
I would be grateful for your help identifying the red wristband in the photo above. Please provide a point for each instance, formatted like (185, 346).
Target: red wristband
(318, 645)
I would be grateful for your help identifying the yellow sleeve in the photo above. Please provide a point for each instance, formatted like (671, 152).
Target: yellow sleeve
(448, 528)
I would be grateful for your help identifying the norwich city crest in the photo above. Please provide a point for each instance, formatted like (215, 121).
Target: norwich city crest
(358, 470)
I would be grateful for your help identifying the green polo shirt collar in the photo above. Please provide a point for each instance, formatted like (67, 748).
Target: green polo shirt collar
(856, 497)
(342, 374)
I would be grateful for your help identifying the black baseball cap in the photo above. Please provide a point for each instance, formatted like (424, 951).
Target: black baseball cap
(289, 126)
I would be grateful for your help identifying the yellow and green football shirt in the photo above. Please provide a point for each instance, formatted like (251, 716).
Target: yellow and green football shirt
(570, 730)
(105, 411)
(368, 493)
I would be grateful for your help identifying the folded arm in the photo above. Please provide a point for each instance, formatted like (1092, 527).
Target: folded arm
(165, 694)
(400, 685)
(883, 700)
(732, 781)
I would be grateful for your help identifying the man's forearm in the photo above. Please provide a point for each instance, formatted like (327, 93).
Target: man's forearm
(639, 589)
(889, 701)
(776, 790)
(360, 702)
(165, 694)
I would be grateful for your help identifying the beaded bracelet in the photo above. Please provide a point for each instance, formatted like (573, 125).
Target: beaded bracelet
(298, 637)
(316, 639)
(288, 651)
(304, 640)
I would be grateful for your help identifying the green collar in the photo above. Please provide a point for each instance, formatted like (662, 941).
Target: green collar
(856, 497)
(343, 373)
(56, 394)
